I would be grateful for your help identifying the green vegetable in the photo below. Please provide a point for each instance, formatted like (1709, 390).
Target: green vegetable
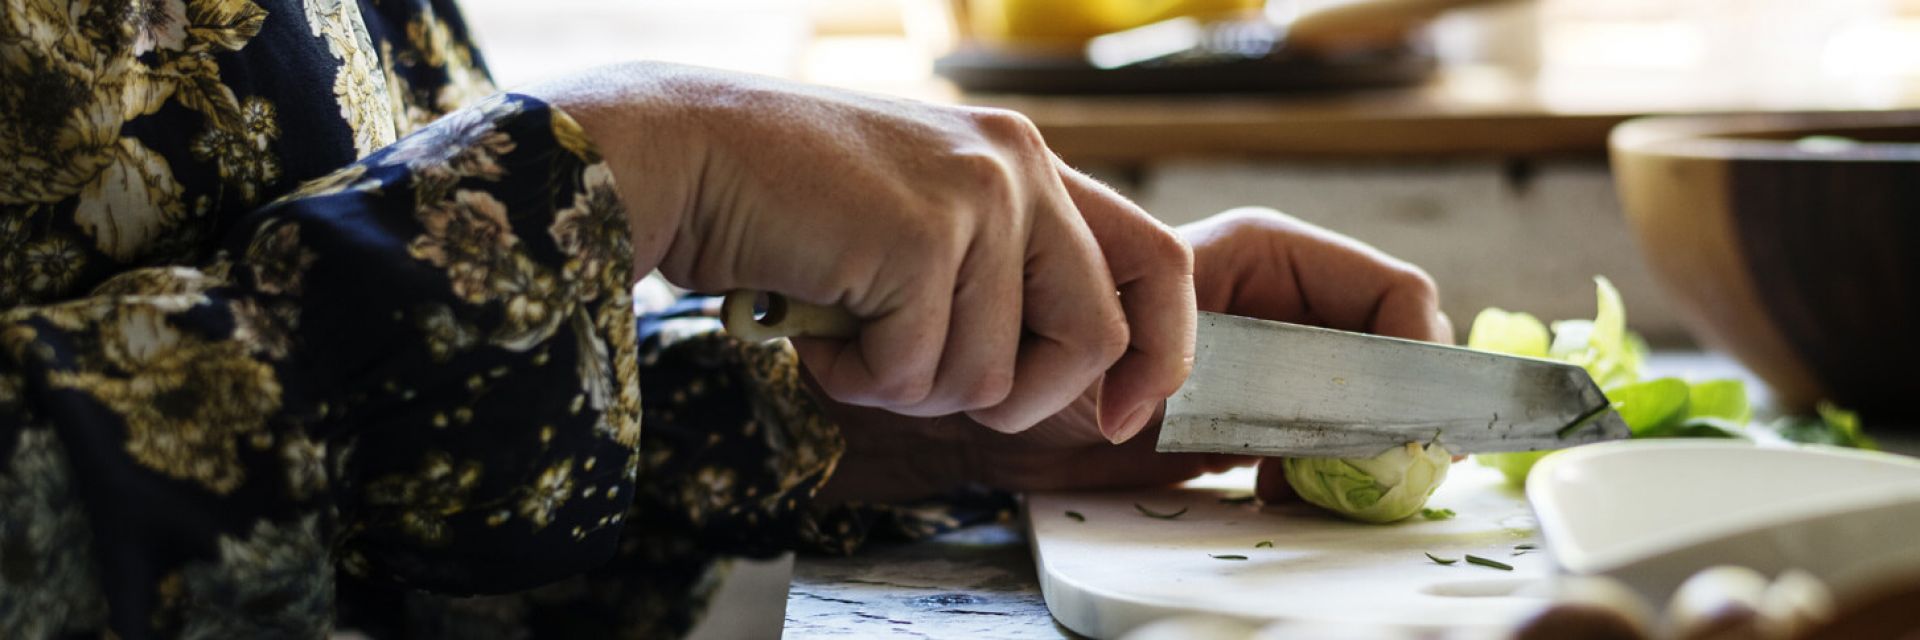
(1514, 466)
(1263, 544)
(1226, 556)
(1075, 515)
(1503, 331)
(1381, 489)
(1525, 547)
(1723, 399)
(1496, 564)
(1238, 500)
(1662, 408)
(1436, 514)
(1833, 426)
(1155, 514)
(1651, 404)
(1437, 560)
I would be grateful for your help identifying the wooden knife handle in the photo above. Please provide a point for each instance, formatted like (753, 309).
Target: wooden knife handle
(758, 316)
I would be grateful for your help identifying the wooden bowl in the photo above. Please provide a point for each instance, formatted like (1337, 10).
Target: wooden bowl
(1792, 242)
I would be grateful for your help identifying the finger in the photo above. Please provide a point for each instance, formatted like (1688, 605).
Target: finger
(893, 361)
(1074, 326)
(1335, 280)
(1153, 270)
(983, 343)
(1270, 485)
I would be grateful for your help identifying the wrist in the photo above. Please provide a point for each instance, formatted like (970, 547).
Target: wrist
(637, 117)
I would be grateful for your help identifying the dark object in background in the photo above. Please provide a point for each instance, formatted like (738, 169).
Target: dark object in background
(1188, 55)
(1791, 241)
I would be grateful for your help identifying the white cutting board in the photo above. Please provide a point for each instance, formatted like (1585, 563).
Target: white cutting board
(1120, 569)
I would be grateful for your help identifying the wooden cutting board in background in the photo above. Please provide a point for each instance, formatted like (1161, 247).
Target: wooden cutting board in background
(1120, 569)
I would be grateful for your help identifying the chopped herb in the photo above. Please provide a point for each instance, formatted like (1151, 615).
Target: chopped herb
(1226, 556)
(1436, 514)
(1525, 547)
(1495, 564)
(1238, 500)
(1075, 515)
(1520, 552)
(1263, 544)
(1155, 514)
(1439, 560)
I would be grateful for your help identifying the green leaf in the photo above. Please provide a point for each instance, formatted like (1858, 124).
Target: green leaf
(1156, 514)
(1514, 333)
(1495, 564)
(1698, 428)
(1436, 514)
(1724, 399)
(1439, 560)
(1833, 426)
(1651, 405)
(1515, 466)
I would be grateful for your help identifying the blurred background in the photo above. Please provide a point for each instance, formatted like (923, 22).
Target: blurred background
(1467, 137)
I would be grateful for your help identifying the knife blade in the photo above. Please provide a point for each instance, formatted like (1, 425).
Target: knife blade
(1261, 387)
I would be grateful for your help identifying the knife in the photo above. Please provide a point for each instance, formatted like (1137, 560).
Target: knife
(1261, 387)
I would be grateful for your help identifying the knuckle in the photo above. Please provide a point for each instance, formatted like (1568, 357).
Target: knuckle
(1008, 126)
(1109, 341)
(903, 389)
(989, 390)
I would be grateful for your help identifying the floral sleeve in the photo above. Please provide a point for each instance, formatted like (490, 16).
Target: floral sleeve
(420, 369)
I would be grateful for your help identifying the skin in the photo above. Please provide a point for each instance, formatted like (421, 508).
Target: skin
(1255, 262)
(992, 281)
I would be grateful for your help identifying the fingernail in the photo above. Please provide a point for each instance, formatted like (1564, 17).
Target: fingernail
(1131, 426)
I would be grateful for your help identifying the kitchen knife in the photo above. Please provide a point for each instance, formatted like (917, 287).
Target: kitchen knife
(1269, 388)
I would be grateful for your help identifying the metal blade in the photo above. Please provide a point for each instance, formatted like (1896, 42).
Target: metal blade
(1277, 389)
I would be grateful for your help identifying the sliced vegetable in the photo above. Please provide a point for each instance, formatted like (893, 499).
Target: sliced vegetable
(1076, 517)
(1833, 426)
(1238, 500)
(1650, 405)
(1263, 544)
(1436, 514)
(1503, 331)
(1484, 562)
(1157, 514)
(1723, 399)
(1439, 560)
(1226, 556)
(1381, 489)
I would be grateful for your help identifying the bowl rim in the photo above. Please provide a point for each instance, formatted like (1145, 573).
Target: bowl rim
(1554, 527)
(1721, 136)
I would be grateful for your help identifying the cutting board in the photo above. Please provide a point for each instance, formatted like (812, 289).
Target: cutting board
(1120, 569)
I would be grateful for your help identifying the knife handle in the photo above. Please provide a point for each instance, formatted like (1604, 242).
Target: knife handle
(758, 316)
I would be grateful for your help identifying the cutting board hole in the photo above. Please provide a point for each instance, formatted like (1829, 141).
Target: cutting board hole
(1514, 588)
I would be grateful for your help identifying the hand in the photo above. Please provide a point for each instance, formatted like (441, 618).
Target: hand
(1262, 263)
(1254, 262)
(984, 269)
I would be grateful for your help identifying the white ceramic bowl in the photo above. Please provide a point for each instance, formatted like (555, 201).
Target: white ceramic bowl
(1653, 512)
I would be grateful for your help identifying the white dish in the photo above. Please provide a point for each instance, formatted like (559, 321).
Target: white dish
(1653, 512)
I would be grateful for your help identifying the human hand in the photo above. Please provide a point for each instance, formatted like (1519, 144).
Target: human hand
(984, 270)
(1262, 263)
(1251, 261)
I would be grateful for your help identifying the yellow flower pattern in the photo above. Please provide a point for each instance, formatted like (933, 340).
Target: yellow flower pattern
(289, 292)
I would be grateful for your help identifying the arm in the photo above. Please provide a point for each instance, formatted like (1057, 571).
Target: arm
(414, 357)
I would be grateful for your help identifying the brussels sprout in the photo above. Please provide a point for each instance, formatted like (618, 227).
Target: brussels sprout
(1385, 488)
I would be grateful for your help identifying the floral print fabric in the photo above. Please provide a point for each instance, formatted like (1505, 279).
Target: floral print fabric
(303, 327)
